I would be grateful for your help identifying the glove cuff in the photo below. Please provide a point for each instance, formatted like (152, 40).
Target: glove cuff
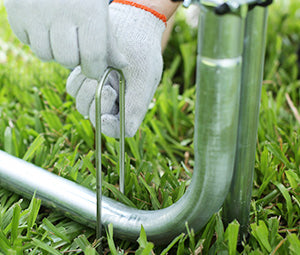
(145, 8)
(137, 23)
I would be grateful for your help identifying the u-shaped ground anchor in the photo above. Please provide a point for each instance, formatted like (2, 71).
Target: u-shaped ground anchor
(98, 141)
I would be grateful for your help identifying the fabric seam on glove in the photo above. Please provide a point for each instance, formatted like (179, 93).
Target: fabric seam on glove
(143, 7)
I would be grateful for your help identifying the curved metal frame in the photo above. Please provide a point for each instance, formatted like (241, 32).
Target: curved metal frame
(219, 73)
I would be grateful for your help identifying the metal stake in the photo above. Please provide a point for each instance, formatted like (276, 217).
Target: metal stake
(98, 144)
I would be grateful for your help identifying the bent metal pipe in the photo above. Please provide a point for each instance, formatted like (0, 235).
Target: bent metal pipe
(216, 122)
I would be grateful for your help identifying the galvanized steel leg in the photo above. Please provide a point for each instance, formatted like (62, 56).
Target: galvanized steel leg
(237, 205)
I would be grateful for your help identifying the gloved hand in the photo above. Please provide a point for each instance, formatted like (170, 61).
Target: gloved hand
(83, 90)
(63, 30)
(137, 32)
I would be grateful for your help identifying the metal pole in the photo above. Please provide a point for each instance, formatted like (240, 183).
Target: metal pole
(237, 205)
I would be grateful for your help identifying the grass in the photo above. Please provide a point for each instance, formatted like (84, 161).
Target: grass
(39, 123)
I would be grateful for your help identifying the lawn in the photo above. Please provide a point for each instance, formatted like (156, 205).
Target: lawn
(39, 123)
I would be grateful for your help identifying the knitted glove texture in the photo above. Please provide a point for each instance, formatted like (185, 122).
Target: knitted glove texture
(136, 35)
(63, 30)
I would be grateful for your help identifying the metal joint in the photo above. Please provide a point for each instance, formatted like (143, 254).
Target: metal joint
(224, 7)
(261, 3)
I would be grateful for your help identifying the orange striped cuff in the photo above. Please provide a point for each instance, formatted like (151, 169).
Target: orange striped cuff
(143, 7)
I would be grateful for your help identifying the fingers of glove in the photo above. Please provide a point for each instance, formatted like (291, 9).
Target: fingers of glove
(93, 55)
(109, 99)
(141, 88)
(135, 110)
(22, 36)
(12, 8)
(116, 58)
(139, 92)
(39, 39)
(113, 80)
(107, 106)
(64, 44)
(20, 33)
(74, 81)
(86, 96)
(110, 125)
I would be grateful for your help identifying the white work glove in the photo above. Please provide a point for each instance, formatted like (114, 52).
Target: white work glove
(71, 32)
(137, 34)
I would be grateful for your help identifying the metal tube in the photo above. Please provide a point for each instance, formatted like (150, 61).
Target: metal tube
(216, 123)
(237, 205)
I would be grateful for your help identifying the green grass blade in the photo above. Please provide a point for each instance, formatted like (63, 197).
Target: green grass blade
(15, 224)
(170, 246)
(52, 98)
(52, 120)
(45, 247)
(277, 152)
(4, 242)
(82, 242)
(231, 235)
(110, 240)
(90, 251)
(294, 244)
(58, 232)
(293, 178)
(152, 193)
(34, 208)
(118, 195)
(8, 143)
(261, 233)
(37, 143)
(288, 201)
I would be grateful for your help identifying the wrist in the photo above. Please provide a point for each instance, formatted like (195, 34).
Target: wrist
(146, 8)
(165, 7)
(128, 14)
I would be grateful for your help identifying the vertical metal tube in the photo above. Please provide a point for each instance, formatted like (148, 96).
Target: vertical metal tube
(219, 62)
(237, 205)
